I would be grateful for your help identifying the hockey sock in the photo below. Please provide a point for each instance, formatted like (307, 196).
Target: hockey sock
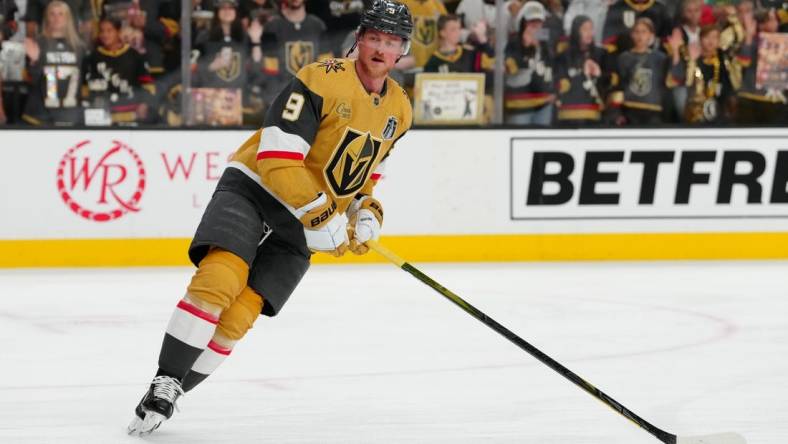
(190, 328)
(210, 359)
(218, 281)
(234, 323)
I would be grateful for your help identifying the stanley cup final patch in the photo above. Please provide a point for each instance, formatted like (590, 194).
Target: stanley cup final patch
(390, 129)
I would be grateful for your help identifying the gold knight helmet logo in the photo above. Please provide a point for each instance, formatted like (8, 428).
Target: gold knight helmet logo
(352, 161)
(299, 54)
(233, 70)
(426, 30)
(640, 85)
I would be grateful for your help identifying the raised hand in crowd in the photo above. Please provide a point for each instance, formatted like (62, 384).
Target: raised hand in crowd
(255, 32)
(479, 31)
(591, 68)
(675, 41)
(750, 28)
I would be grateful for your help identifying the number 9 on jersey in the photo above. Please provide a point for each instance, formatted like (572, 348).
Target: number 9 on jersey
(293, 107)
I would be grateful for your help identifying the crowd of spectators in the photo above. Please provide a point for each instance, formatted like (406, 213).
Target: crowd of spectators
(567, 62)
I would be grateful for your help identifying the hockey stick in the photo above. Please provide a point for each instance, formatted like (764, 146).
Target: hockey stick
(666, 437)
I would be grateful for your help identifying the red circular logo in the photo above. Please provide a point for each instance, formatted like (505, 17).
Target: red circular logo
(101, 184)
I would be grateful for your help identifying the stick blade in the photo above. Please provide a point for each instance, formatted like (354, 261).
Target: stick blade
(717, 438)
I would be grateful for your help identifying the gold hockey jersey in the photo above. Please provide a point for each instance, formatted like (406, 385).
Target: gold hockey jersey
(325, 133)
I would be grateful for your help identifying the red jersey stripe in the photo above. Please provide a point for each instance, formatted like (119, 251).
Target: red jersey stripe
(279, 155)
(185, 306)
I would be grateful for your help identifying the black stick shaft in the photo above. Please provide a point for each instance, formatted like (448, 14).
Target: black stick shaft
(660, 434)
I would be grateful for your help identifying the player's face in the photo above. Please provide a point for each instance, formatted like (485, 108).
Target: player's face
(451, 32)
(108, 35)
(587, 33)
(378, 52)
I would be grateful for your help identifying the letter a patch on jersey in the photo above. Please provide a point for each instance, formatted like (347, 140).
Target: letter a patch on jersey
(352, 162)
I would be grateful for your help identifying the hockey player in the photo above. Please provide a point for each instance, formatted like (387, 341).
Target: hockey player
(301, 184)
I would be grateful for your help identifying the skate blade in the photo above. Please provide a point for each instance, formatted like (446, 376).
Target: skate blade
(144, 427)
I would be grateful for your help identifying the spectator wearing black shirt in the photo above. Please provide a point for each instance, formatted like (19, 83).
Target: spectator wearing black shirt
(225, 58)
(54, 63)
(117, 78)
(529, 89)
(451, 56)
(579, 72)
(709, 81)
(291, 41)
(644, 76)
(151, 27)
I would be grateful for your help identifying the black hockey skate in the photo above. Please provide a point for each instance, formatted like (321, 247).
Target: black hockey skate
(156, 406)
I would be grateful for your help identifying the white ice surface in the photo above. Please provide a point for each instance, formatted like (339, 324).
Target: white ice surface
(367, 354)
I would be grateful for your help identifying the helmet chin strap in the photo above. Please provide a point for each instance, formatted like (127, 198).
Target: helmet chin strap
(350, 51)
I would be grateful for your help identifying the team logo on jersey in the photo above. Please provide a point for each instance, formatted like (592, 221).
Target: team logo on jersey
(101, 184)
(351, 163)
(390, 129)
(233, 70)
(299, 54)
(332, 65)
(641, 82)
(426, 30)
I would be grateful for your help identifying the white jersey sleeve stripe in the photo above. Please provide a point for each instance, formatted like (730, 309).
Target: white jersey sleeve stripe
(273, 139)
